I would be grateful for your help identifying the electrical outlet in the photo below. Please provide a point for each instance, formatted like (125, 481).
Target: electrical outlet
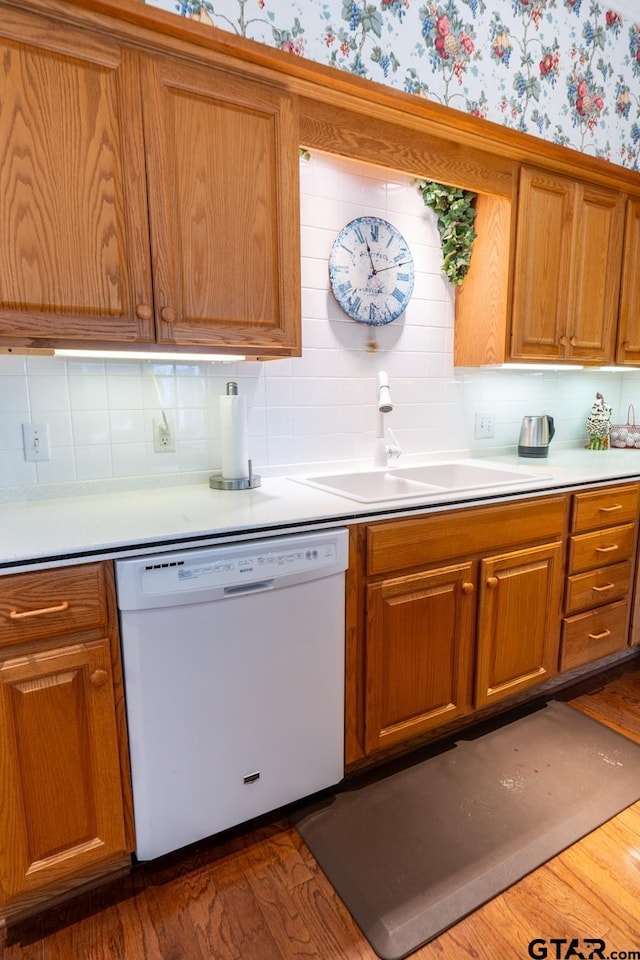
(485, 426)
(164, 439)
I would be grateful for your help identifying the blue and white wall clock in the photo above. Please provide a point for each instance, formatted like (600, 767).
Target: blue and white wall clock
(371, 271)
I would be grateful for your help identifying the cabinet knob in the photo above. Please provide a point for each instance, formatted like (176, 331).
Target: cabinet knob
(492, 582)
(144, 311)
(98, 678)
(467, 587)
(573, 341)
(563, 341)
(168, 314)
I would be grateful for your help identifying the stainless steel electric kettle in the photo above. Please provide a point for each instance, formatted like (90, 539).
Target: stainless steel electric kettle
(535, 436)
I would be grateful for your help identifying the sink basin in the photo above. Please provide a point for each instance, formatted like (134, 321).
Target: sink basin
(459, 474)
(370, 486)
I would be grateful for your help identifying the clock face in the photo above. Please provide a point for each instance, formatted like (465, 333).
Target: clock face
(371, 271)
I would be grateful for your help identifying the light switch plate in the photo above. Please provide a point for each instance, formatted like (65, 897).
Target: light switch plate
(35, 438)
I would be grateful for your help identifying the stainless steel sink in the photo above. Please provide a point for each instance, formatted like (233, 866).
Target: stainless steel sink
(370, 486)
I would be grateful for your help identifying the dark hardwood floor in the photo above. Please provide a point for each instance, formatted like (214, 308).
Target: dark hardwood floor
(259, 895)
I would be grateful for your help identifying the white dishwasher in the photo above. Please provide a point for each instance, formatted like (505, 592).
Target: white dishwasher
(234, 679)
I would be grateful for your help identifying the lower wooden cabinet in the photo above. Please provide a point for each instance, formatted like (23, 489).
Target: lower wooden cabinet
(518, 621)
(420, 636)
(65, 810)
(443, 635)
(600, 567)
(62, 807)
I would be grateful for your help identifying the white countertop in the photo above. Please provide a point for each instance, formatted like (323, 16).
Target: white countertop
(73, 529)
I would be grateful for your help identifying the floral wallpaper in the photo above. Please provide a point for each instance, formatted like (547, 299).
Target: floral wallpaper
(564, 70)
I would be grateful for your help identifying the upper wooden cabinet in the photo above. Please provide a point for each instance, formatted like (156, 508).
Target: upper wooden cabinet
(74, 248)
(628, 346)
(143, 199)
(222, 166)
(566, 275)
(544, 283)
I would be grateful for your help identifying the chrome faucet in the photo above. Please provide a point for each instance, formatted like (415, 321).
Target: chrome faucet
(383, 451)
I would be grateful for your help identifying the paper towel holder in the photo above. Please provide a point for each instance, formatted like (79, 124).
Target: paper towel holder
(250, 482)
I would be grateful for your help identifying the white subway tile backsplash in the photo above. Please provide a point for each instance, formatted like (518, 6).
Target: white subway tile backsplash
(93, 462)
(90, 427)
(320, 407)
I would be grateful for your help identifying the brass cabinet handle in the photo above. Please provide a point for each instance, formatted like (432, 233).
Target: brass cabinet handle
(14, 615)
(600, 636)
(98, 678)
(616, 506)
(614, 546)
(606, 586)
(492, 582)
(467, 587)
(144, 311)
(168, 314)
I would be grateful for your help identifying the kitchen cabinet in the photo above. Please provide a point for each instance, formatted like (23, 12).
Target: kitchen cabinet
(548, 274)
(420, 634)
(567, 269)
(436, 618)
(628, 343)
(600, 570)
(65, 815)
(147, 200)
(518, 621)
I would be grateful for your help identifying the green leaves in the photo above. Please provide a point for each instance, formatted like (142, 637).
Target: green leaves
(455, 215)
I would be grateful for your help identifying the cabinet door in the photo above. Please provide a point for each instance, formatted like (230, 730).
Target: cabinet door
(222, 160)
(518, 621)
(74, 247)
(628, 349)
(596, 253)
(542, 262)
(418, 653)
(567, 269)
(59, 777)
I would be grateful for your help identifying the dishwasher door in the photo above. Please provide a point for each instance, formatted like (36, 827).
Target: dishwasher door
(234, 678)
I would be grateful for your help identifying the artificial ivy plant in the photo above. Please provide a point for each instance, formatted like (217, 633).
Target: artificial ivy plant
(455, 214)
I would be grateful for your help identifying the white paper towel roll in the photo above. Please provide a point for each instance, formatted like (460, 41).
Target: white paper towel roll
(233, 424)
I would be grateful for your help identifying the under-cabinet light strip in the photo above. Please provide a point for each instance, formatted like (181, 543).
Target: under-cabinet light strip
(153, 357)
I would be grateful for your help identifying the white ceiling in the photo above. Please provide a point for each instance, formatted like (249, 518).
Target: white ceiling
(628, 8)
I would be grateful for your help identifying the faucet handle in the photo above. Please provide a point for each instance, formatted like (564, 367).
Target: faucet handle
(393, 449)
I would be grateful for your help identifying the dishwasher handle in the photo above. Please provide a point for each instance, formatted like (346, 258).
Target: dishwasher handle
(241, 589)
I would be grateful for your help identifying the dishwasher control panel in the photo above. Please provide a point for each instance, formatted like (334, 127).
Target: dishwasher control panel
(227, 569)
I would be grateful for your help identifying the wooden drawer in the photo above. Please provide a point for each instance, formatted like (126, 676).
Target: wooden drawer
(601, 508)
(590, 636)
(599, 549)
(52, 603)
(597, 587)
(402, 544)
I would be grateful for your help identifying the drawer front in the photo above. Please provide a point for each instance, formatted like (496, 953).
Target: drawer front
(590, 636)
(597, 587)
(591, 550)
(51, 603)
(603, 508)
(402, 544)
